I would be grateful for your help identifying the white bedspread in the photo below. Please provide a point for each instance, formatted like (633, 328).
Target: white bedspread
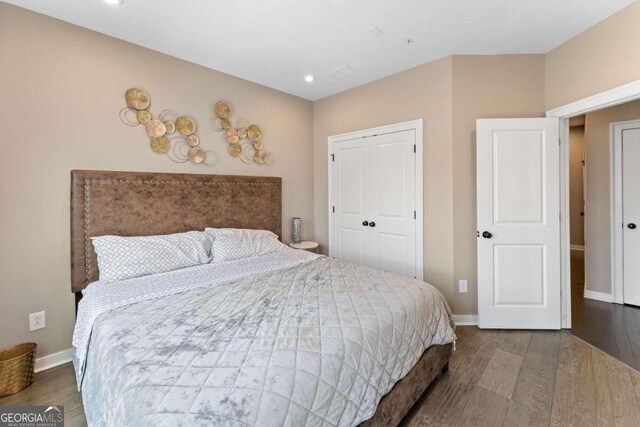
(288, 338)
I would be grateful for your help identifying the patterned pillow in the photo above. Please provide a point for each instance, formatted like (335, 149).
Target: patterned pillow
(235, 243)
(121, 258)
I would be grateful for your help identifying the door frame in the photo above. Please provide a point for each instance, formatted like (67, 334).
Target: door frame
(616, 207)
(415, 125)
(619, 95)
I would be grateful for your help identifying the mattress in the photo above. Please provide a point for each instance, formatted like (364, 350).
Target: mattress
(287, 338)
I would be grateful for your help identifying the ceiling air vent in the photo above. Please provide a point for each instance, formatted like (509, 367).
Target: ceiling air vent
(342, 72)
(375, 31)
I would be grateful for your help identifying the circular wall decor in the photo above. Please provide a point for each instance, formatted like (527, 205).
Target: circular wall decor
(179, 149)
(245, 139)
(143, 117)
(192, 140)
(235, 150)
(196, 155)
(254, 133)
(185, 125)
(155, 128)
(170, 126)
(137, 98)
(160, 144)
(223, 110)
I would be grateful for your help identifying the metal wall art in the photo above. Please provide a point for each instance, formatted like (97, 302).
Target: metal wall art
(244, 138)
(183, 147)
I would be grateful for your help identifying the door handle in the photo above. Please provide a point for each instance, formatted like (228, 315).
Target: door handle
(632, 226)
(372, 224)
(487, 235)
(365, 223)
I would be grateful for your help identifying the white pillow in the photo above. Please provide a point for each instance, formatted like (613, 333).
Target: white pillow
(235, 243)
(121, 258)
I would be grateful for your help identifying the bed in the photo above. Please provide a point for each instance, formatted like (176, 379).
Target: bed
(285, 338)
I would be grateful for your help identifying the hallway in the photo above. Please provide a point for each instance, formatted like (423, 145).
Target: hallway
(613, 328)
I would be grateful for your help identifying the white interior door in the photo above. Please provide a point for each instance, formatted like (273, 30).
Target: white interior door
(373, 201)
(350, 174)
(631, 215)
(392, 203)
(518, 191)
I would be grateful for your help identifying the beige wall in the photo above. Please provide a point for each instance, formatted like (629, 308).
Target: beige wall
(65, 84)
(598, 209)
(61, 88)
(576, 193)
(484, 87)
(601, 58)
(422, 92)
(480, 86)
(449, 94)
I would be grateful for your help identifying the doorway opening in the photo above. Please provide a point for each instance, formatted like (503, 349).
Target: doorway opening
(604, 181)
(616, 96)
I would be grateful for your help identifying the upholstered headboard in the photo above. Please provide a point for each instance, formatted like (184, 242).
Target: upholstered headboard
(138, 204)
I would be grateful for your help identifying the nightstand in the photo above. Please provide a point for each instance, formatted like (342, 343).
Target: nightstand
(305, 245)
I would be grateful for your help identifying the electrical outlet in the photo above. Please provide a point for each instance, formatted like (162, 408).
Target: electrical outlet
(37, 321)
(462, 286)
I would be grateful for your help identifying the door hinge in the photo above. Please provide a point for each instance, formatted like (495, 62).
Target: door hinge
(333, 157)
(334, 209)
(414, 214)
(414, 148)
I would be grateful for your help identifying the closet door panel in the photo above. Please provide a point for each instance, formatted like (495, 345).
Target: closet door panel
(392, 202)
(350, 170)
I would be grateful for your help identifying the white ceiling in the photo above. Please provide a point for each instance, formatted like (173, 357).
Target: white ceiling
(277, 42)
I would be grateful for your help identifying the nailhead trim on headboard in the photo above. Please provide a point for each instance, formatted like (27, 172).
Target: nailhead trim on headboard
(86, 233)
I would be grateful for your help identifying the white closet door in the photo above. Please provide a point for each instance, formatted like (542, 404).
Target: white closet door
(392, 224)
(631, 215)
(350, 171)
(518, 179)
(374, 201)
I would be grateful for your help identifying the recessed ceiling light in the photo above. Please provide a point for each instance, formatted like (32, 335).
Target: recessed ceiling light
(309, 78)
(114, 2)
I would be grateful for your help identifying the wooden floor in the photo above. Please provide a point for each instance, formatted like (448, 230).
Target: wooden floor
(496, 378)
(522, 378)
(56, 386)
(613, 328)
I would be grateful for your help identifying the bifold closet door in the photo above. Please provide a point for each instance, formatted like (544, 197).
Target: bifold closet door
(392, 202)
(373, 204)
(350, 170)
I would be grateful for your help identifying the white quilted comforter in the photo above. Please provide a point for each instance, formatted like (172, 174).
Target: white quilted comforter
(288, 338)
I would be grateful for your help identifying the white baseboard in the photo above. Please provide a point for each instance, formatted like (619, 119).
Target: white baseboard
(577, 248)
(598, 296)
(466, 319)
(52, 360)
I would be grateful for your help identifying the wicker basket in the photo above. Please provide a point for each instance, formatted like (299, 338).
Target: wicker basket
(16, 368)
